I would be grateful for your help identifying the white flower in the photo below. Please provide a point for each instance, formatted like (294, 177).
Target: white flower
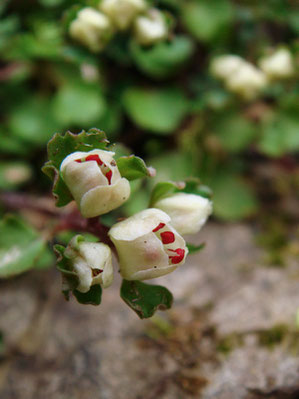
(150, 28)
(247, 81)
(122, 12)
(95, 182)
(91, 28)
(224, 66)
(147, 245)
(188, 212)
(278, 65)
(92, 263)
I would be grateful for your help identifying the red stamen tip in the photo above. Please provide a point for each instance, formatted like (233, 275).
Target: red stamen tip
(167, 237)
(180, 256)
(94, 157)
(78, 160)
(109, 176)
(160, 226)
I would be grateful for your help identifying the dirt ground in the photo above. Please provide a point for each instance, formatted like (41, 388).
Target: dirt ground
(231, 333)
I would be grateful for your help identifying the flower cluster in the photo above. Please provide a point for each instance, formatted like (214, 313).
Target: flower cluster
(247, 80)
(149, 244)
(95, 27)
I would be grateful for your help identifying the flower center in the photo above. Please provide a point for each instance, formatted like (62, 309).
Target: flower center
(107, 172)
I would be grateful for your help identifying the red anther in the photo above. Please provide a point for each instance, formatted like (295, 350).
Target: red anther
(109, 176)
(160, 226)
(78, 160)
(94, 157)
(167, 237)
(96, 272)
(180, 256)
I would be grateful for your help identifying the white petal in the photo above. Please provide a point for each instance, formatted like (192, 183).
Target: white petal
(103, 199)
(138, 225)
(188, 212)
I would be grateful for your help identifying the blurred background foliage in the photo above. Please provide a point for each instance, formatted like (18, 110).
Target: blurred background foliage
(160, 101)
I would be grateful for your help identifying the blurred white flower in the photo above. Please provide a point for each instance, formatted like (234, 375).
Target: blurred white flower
(247, 81)
(151, 27)
(278, 65)
(94, 181)
(147, 245)
(188, 212)
(91, 261)
(91, 28)
(122, 12)
(224, 66)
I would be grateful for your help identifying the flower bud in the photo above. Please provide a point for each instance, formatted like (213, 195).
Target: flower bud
(91, 261)
(279, 65)
(150, 28)
(122, 12)
(147, 245)
(247, 81)
(188, 212)
(95, 182)
(224, 66)
(91, 28)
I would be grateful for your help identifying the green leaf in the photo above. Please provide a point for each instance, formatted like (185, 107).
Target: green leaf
(158, 110)
(92, 297)
(234, 131)
(20, 247)
(59, 147)
(164, 58)
(195, 248)
(233, 198)
(79, 104)
(33, 121)
(164, 189)
(132, 167)
(207, 20)
(145, 299)
(280, 135)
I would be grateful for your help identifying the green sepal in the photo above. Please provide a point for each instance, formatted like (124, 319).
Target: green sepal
(195, 248)
(189, 186)
(65, 267)
(132, 167)
(92, 297)
(145, 299)
(59, 147)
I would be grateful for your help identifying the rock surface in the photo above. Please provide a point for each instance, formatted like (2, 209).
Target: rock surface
(230, 335)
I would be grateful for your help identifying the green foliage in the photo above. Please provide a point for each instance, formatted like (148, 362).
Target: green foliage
(20, 246)
(92, 297)
(280, 135)
(233, 198)
(163, 59)
(207, 20)
(132, 167)
(158, 110)
(80, 104)
(145, 299)
(195, 248)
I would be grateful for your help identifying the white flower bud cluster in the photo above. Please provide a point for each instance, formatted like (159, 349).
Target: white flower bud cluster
(245, 79)
(149, 244)
(92, 262)
(94, 28)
